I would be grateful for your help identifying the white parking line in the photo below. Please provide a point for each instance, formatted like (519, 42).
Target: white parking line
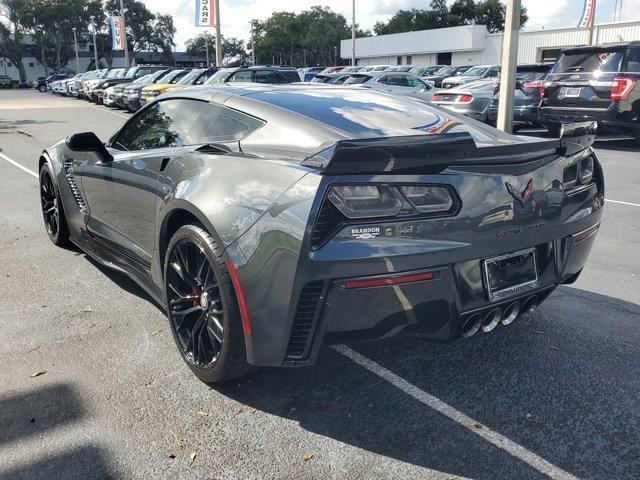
(622, 203)
(16, 164)
(500, 441)
(106, 111)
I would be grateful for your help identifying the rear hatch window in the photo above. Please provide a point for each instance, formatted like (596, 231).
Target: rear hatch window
(581, 78)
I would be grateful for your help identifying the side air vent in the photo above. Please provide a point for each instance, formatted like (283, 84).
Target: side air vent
(68, 173)
(304, 321)
(327, 223)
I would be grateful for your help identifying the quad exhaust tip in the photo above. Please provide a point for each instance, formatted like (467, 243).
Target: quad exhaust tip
(491, 320)
(530, 304)
(472, 325)
(511, 313)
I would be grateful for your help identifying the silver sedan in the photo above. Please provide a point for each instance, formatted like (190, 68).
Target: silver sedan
(472, 99)
(400, 83)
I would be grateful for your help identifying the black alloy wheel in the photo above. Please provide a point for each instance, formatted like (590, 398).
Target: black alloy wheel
(195, 306)
(202, 307)
(52, 212)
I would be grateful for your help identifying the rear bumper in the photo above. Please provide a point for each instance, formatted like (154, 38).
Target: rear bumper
(609, 117)
(476, 114)
(299, 298)
(522, 114)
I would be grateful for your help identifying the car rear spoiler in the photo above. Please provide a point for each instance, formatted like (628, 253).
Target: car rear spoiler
(431, 154)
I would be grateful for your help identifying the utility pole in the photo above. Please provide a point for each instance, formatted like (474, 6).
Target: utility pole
(75, 44)
(593, 22)
(206, 41)
(218, 36)
(95, 48)
(509, 63)
(353, 34)
(253, 46)
(124, 37)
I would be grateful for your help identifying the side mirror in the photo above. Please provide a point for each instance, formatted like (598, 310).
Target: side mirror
(88, 142)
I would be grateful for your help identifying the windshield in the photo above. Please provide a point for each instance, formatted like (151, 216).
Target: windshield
(131, 72)
(590, 61)
(446, 71)
(478, 86)
(175, 77)
(381, 68)
(191, 77)
(356, 79)
(116, 73)
(475, 71)
(219, 77)
(142, 80)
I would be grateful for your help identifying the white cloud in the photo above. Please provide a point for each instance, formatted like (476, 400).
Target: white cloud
(235, 19)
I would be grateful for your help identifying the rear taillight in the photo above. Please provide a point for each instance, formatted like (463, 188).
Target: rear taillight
(622, 87)
(449, 97)
(537, 85)
(437, 97)
(465, 98)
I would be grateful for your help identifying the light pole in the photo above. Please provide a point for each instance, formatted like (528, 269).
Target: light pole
(124, 36)
(509, 62)
(75, 44)
(218, 36)
(95, 47)
(253, 46)
(353, 34)
(206, 43)
(593, 22)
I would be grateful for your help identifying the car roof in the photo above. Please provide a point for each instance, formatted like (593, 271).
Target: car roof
(600, 47)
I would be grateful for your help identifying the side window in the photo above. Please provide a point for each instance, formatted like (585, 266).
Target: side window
(492, 72)
(204, 77)
(164, 124)
(415, 82)
(633, 60)
(220, 124)
(265, 76)
(241, 76)
(383, 80)
(396, 80)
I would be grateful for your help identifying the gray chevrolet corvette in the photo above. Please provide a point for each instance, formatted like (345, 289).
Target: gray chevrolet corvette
(270, 220)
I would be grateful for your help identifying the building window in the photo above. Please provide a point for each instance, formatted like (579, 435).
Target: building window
(550, 55)
(9, 64)
(444, 58)
(399, 60)
(31, 64)
(409, 59)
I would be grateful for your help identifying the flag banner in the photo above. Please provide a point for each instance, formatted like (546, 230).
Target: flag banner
(586, 20)
(205, 13)
(117, 33)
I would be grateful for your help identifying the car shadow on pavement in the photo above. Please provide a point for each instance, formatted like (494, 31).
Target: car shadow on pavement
(88, 462)
(30, 413)
(562, 383)
(126, 283)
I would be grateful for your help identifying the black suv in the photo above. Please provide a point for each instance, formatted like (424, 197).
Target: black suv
(595, 83)
(255, 74)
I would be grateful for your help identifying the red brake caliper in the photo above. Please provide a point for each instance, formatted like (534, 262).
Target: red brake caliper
(194, 293)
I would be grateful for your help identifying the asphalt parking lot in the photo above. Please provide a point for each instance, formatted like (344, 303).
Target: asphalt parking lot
(92, 386)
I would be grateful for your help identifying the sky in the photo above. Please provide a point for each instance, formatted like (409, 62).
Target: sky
(235, 15)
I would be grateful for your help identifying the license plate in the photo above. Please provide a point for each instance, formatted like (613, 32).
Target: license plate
(511, 274)
(571, 92)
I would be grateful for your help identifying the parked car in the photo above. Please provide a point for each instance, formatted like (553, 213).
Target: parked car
(150, 92)
(401, 68)
(266, 228)
(307, 73)
(530, 81)
(445, 72)
(255, 74)
(5, 81)
(332, 78)
(421, 71)
(95, 86)
(401, 83)
(471, 99)
(76, 87)
(89, 84)
(130, 75)
(374, 68)
(43, 85)
(352, 69)
(335, 69)
(474, 73)
(129, 95)
(599, 83)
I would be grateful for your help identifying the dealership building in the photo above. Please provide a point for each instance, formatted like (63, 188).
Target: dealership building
(473, 45)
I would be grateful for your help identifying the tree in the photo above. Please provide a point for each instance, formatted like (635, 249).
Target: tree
(462, 12)
(145, 30)
(11, 35)
(234, 51)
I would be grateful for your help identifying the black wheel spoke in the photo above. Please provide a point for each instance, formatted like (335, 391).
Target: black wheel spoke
(195, 306)
(48, 203)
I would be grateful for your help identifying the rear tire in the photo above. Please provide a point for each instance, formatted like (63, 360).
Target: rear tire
(55, 221)
(554, 129)
(209, 337)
